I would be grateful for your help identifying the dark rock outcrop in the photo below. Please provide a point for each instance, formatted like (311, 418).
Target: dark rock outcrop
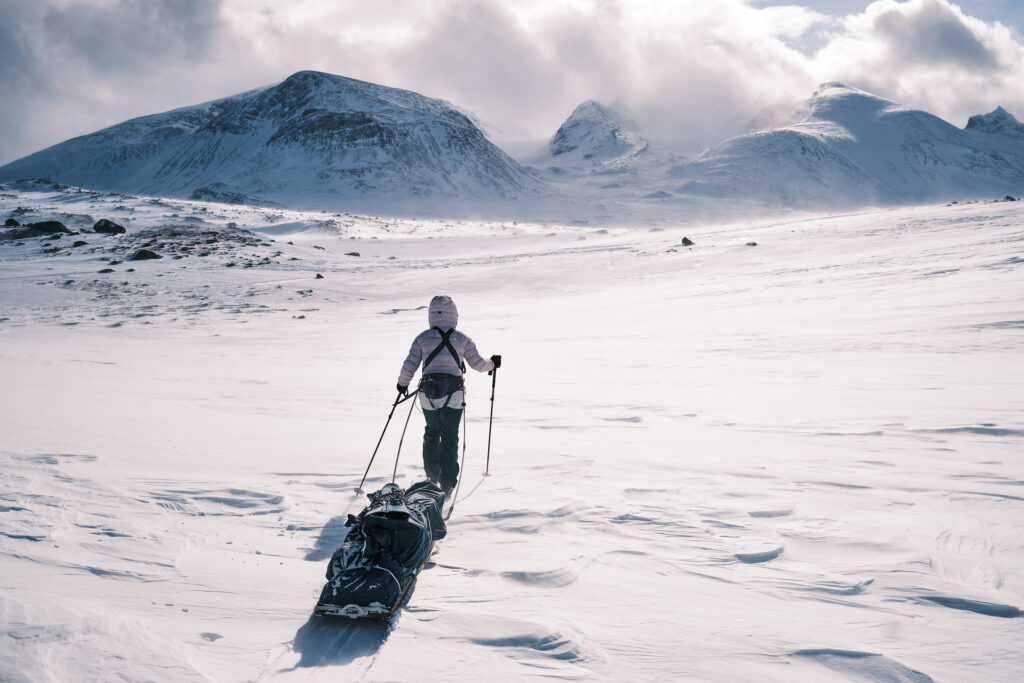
(50, 229)
(108, 227)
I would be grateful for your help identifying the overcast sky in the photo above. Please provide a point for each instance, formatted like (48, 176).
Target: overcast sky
(691, 70)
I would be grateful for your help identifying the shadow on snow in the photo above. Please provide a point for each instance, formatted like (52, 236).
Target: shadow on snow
(331, 536)
(329, 641)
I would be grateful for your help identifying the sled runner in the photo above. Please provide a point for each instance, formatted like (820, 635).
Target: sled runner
(373, 571)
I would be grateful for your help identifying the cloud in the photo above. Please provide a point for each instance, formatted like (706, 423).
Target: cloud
(927, 54)
(677, 67)
(71, 67)
(128, 35)
(928, 31)
(688, 71)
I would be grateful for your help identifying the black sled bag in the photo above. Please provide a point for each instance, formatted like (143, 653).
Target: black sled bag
(386, 546)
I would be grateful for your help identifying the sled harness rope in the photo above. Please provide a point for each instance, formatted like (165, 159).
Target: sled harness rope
(398, 454)
(394, 472)
(445, 344)
(399, 399)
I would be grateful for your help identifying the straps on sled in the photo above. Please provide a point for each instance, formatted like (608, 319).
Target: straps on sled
(445, 344)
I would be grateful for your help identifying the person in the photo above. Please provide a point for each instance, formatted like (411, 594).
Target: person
(443, 352)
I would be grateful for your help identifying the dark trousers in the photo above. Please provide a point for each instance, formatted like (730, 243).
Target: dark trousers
(441, 445)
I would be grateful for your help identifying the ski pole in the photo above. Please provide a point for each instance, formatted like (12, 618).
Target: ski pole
(490, 422)
(398, 399)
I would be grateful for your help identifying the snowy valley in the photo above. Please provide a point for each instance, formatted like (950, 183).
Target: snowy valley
(789, 451)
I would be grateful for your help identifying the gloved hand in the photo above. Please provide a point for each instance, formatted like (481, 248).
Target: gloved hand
(402, 389)
(496, 359)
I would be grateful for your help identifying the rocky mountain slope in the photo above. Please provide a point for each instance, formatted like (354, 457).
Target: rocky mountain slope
(313, 141)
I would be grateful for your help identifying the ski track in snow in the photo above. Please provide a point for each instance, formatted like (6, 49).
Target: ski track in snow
(795, 461)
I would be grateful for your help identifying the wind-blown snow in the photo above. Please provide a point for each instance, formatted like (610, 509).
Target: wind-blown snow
(791, 461)
(849, 148)
(599, 157)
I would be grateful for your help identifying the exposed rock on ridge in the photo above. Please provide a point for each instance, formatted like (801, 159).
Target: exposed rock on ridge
(315, 141)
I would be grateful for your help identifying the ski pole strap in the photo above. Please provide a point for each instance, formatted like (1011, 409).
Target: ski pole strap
(445, 344)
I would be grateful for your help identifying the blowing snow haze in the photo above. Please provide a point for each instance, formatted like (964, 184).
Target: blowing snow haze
(319, 141)
(846, 148)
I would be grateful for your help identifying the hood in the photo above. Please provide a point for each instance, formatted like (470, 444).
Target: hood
(443, 313)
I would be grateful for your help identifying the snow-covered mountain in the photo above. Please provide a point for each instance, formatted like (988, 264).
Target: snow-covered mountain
(850, 148)
(593, 136)
(599, 156)
(999, 122)
(314, 141)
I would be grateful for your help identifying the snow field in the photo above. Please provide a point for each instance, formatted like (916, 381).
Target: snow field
(794, 461)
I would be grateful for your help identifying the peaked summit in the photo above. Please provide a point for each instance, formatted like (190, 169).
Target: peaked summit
(313, 141)
(998, 121)
(594, 133)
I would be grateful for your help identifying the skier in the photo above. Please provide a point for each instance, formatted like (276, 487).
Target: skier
(442, 349)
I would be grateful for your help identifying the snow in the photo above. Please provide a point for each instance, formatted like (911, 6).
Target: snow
(317, 141)
(847, 148)
(794, 461)
(997, 122)
(592, 135)
(313, 141)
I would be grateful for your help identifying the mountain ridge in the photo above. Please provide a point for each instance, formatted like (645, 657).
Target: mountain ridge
(853, 148)
(320, 141)
(314, 140)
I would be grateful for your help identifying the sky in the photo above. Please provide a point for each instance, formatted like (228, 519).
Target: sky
(690, 72)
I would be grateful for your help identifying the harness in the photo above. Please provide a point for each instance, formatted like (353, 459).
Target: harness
(436, 386)
(445, 344)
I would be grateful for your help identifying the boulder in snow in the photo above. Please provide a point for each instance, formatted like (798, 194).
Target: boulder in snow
(52, 229)
(108, 227)
(144, 255)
